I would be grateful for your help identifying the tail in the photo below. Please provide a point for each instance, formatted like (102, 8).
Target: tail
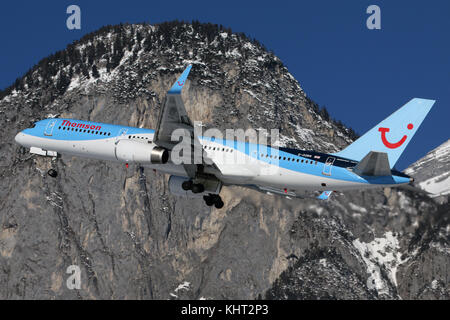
(391, 135)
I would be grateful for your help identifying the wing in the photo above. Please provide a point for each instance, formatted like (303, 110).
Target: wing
(173, 116)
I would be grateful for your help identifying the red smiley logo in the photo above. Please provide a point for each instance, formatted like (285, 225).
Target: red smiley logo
(180, 83)
(396, 144)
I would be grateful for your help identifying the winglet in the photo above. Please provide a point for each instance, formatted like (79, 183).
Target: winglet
(324, 195)
(178, 85)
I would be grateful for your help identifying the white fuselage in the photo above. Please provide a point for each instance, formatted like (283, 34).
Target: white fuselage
(230, 164)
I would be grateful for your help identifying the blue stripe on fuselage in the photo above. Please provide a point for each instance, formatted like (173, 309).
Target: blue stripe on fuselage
(250, 149)
(79, 132)
(258, 152)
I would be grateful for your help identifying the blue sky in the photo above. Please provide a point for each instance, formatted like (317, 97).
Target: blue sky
(360, 75)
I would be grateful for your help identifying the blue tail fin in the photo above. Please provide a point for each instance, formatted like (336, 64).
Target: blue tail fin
(391, 135)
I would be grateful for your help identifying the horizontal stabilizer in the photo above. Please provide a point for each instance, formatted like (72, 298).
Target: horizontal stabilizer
(324, 195)
(373, 164)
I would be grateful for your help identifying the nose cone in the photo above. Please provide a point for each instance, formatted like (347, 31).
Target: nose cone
(19, 138)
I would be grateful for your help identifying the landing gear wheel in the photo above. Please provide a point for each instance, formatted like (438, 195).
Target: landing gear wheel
(219, 203)
(52, 173)
(213, 199)
(209, 200)
(198, 188)
(187, 185)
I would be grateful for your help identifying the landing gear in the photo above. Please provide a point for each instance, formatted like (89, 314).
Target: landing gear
(209, 200)
(198, 188)
(52, 173)
(194, 187)
(187, 185)
(213, 199)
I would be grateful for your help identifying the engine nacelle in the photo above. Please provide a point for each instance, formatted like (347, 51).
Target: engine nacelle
(138, 152)
(211, 187)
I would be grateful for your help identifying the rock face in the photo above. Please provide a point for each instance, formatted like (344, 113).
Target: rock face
(133, 240)
(432, 172)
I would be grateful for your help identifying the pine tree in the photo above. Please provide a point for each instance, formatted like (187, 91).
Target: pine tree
(95, 73)
(324, 114)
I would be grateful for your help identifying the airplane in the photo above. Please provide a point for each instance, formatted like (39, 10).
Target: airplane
(366, 163)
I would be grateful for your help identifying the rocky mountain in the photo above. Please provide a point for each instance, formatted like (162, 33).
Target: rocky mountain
(432, 172)
(134, 240)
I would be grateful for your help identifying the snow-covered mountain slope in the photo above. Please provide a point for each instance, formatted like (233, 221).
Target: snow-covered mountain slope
(432, 172)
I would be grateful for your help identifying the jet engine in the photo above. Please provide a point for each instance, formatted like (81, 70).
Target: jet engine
(138, 152)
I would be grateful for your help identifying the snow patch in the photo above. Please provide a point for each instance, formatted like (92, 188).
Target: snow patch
(381, 252)
(251, 93)
(184, 286)
(437, 186)
(233, 54)
(304, 134)
(323, 262)
(355, 207)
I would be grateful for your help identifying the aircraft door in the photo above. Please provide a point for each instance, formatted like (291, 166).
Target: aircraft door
(328, 165)
(49, 128)
(121, 135)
